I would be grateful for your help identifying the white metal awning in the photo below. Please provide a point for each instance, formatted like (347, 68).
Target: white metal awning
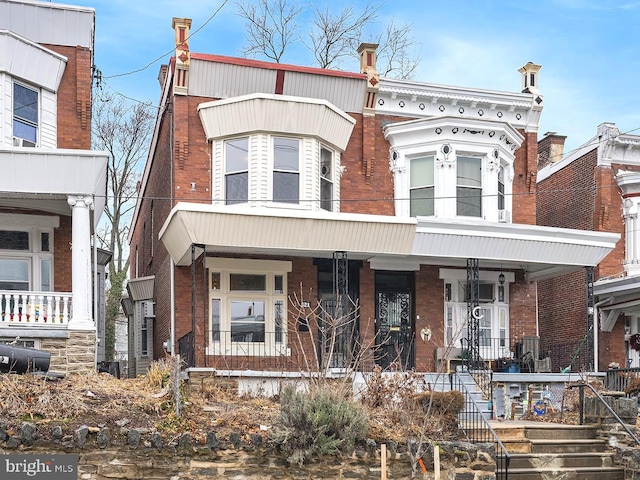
(615, 297)
(542, 252)
(283, 232)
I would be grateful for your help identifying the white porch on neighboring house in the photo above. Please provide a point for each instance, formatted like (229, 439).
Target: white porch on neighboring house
(39, 191)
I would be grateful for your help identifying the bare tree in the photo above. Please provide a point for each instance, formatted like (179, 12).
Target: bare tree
(121, 129)
(271, 27)
(335, 36)
(332, 36)
(394, 59)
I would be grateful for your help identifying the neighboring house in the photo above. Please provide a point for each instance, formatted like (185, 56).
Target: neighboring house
(595, 187)
(52, 187)
(270, 188)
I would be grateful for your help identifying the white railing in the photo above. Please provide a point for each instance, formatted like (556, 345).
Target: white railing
(34, 308)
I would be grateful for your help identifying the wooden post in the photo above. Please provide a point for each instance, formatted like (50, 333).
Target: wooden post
(436, 462)
(383, 461)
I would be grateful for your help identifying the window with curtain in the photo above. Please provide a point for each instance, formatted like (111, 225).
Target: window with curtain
(501, 189)
(421, 187)
(286, 170)
(469, 186)
(237, 170)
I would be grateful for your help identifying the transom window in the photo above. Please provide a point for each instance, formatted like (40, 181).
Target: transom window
(237, 170)
(469, 186)
(286, 170)
(248, 306)
(25, 115)
(421, 189)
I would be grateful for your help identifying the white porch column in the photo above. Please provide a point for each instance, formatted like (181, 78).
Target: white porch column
(81, 263)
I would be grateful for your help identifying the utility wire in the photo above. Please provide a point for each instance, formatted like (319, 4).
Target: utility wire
(224, 2)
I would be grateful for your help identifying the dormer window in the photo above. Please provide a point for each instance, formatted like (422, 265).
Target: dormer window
(286, 170)
(237, 170)
(25, 115)
(421, 190)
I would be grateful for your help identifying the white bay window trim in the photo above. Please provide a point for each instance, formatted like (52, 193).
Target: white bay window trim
(265, 305)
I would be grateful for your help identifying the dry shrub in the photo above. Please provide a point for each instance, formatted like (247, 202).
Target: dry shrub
(633, 387)
(441, 403)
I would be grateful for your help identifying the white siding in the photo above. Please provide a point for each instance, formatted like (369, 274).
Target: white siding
(48, 120)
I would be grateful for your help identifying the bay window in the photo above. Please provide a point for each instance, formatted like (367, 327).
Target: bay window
(421, 189)
(326, 179)
(469, 186)
(237, 171)
(286, 170)
(25, 115)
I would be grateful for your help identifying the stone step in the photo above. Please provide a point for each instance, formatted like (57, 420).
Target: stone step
(562, 460)
(579, 445)
(508, 431)
(582, 473)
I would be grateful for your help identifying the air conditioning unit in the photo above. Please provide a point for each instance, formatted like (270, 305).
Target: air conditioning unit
(149, 309)
(21, 142)
(504, 216)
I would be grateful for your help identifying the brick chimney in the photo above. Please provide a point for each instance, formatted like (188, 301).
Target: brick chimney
(368, 57)
(550, 149)
(181, 28)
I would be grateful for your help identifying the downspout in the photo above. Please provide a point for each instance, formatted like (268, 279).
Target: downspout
(537, 313)
(172, 286)
(95, 289)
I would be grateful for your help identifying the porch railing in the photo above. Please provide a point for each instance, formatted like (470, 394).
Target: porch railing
(618, 378)
(34, 308)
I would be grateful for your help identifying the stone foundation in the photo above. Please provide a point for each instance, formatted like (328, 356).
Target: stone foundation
(75, 354)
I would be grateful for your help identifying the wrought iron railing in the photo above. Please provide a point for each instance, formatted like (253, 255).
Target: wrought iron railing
(475, 427)
(603, 402)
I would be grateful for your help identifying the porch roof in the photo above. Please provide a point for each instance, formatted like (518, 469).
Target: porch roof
(542, 252)
(387, 242)
(283, 232)
(43, 179)
(616, 296)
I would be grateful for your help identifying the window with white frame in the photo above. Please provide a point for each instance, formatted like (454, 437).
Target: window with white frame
(501, 203)
(326, 179)
(248, 301)
(422, 188)
(469, 186)
(236, 170)
(26, 257)
(493, 314)
(286, 170)
(25, 115)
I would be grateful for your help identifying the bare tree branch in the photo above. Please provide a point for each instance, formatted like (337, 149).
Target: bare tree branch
(270, 27)
(335, 36)
(122, 130)
(393, 51)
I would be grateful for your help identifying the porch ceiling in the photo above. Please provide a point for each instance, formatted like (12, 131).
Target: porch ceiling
(283, 232)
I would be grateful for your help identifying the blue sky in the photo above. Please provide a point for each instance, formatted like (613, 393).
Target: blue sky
(588, 49)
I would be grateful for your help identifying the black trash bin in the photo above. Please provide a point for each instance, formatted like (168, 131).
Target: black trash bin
(15, 359)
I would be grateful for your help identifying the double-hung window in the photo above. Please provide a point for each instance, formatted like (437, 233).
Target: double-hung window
(237, 171)
(286, 170)
(26, 260)
(469, 186)
(421, 188)
(25, 115)
(326, 179)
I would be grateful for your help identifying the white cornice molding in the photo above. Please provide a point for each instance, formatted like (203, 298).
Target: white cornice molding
(408, 98)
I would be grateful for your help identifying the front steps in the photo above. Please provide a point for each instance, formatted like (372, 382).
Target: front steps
(556, 451)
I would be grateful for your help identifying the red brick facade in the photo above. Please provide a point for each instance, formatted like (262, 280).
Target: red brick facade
(582, 195)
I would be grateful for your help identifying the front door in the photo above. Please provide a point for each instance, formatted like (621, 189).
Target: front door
(394, 321)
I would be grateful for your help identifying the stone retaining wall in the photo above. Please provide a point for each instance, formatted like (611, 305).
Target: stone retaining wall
(135, 454)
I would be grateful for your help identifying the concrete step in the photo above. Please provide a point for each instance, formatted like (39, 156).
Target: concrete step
(582, 473)
(561, 460)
